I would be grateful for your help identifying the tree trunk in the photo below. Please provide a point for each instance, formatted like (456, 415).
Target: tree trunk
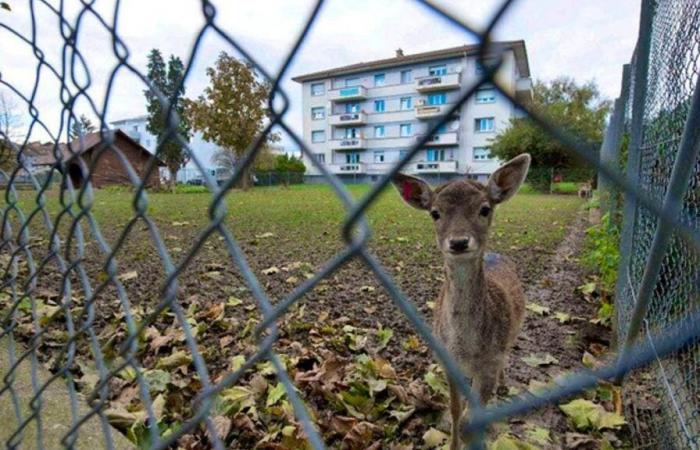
(244, 181)
(173, 169)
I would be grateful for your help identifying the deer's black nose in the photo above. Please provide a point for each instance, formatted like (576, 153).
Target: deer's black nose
(459, 245)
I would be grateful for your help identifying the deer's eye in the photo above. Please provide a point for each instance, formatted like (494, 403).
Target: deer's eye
(434, 214)
(484, 211)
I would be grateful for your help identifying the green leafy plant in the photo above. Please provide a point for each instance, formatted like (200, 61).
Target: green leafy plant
(602, 251)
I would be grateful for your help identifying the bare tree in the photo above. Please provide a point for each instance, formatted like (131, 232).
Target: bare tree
(10, 124)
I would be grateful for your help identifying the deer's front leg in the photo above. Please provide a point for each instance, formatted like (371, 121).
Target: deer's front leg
(456, 407)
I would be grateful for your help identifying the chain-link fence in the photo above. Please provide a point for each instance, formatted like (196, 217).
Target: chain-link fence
(655, 127)
(659, 244)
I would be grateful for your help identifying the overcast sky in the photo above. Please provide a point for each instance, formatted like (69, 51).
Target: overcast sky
(583, 39)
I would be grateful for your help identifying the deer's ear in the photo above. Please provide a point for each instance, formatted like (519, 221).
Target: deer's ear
(504, 182)
(413, 191)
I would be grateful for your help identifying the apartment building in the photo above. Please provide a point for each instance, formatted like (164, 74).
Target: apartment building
(361, 119)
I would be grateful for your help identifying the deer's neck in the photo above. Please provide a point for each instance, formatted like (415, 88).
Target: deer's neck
(465, 284)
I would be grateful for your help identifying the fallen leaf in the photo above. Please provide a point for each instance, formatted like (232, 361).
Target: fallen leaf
(434, 438)
(275, 394)
(436, 383)
(128, 275)
(222, 427)
(157, 379)
(537, 309)
(537, 435)
(234, 301)
(587, 415)
(176, 359)
(562, 317)
(292, 280)
(588, 360)
(265, 235)
(540, 360)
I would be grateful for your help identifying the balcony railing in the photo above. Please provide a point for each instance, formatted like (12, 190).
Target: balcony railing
(434, 167)
(348, 119)
(437, 82)
(347, 168)
(348, 143)
(348, 93)
(450, 138)
(430, 111)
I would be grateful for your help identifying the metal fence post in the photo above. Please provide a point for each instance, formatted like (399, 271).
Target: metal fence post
(640, 69)
(610, 150)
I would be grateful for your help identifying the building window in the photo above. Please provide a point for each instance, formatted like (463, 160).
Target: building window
(406, 103)
(379, 79)
(434, 154)
(318, 136)
(136, 128)
(437, 70)
(402, 154)
(320, 157)
(486, 95)
(439, 98)
(352, 158)
(482, 153)
(379, 131)
(351, 133)
(405, 129)
(379, 105)
(355, 81)
(352, 108)
(318, 89)
(484, 124)
(379, 157)
(406, 76)
(318, 113)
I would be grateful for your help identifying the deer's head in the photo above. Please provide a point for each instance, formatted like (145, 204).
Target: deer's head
(462, 209)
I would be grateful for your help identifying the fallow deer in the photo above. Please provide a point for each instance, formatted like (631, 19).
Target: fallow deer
(481, 306)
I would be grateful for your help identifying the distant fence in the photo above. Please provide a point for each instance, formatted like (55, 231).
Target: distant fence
(654, 135)
(659, 273)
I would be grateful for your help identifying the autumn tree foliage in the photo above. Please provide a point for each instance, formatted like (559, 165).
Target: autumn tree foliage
(232, 110)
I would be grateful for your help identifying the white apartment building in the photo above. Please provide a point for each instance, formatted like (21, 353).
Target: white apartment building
(135, 127)
(360, 119)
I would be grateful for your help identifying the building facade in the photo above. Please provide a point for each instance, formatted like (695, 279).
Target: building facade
(361, 119)
(135, 127)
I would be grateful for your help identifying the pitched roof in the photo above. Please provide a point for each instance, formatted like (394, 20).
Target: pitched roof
(517, 46)
(43, 154)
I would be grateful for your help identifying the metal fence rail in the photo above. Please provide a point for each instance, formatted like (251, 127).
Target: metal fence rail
(658, 281)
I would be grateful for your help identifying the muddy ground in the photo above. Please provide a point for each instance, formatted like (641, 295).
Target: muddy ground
(366, 376)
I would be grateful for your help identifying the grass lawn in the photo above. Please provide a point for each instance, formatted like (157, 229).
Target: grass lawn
(350, 350)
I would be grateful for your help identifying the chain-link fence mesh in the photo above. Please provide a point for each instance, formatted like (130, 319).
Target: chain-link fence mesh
(48, 245)
(663, 128)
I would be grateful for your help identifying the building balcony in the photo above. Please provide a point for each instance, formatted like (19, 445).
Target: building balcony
(348, 144)
(523, 90)
(349, 168)
(437, 82)
(431, 111)
(348, 93)
(433, 167)
(440, 139)
(347, 119)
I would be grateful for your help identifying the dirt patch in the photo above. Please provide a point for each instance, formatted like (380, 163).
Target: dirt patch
(356, 360)
(557, 324)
